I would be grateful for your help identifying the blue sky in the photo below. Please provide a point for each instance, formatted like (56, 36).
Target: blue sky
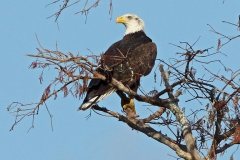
(99, 137)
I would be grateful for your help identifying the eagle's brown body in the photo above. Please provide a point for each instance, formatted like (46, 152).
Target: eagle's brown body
(127, 61)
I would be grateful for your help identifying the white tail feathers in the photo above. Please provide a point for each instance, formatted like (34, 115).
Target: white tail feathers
(89, 103)
(95, 100)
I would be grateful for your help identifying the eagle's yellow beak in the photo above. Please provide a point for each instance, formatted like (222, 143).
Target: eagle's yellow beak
(120, 20)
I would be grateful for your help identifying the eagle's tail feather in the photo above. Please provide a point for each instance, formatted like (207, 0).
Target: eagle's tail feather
(90, 102)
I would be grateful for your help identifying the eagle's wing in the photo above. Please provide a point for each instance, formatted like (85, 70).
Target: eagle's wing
(97, 88)
(139, 62)
(142, 59)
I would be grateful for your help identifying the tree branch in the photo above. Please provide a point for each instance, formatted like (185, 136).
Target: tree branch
(149, 131)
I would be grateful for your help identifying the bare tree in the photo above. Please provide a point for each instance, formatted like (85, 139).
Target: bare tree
(193, 133)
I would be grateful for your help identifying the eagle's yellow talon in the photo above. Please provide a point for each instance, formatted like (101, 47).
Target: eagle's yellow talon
(129, 107)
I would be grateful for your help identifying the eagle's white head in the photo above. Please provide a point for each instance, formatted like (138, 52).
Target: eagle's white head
(132, 23)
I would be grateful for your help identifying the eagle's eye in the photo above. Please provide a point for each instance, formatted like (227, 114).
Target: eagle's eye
(129, 17)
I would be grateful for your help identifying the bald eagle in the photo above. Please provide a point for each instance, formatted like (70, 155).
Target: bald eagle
(126, 60)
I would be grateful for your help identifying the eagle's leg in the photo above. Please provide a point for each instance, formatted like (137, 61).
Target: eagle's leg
(127, 104)
(129, 107)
